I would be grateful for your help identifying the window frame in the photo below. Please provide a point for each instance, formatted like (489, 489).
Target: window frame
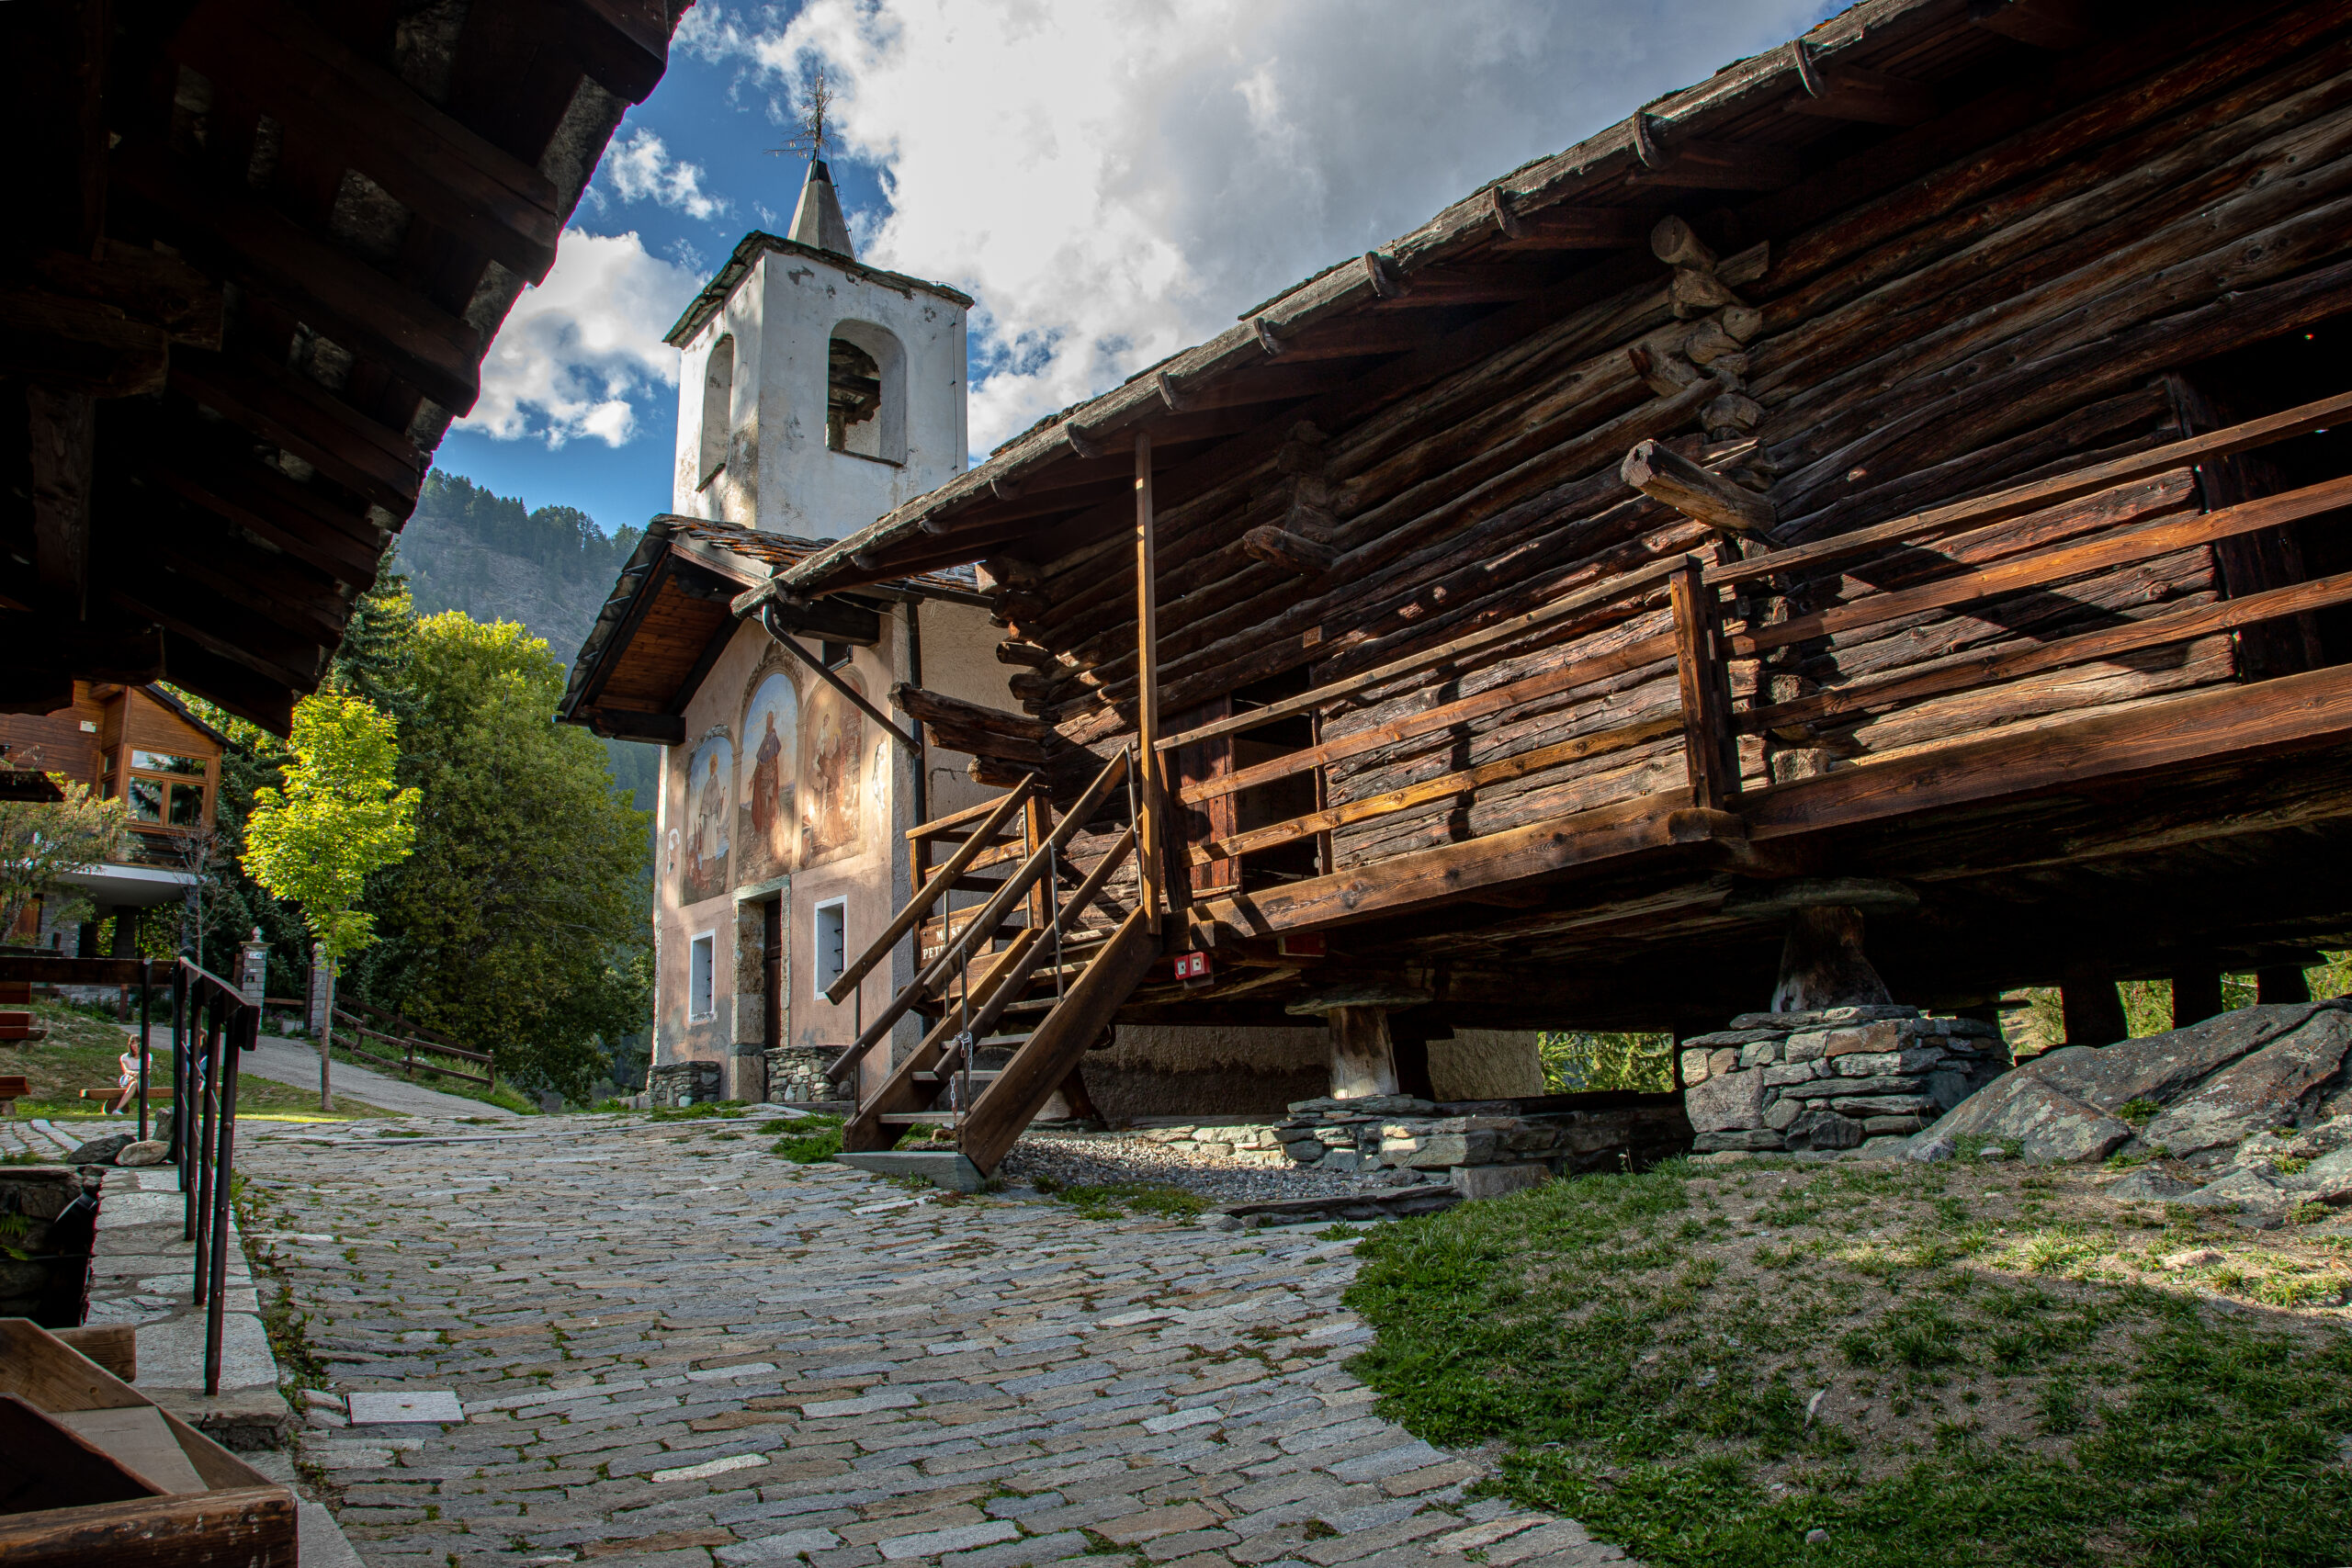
(702, 947)
(823, 972)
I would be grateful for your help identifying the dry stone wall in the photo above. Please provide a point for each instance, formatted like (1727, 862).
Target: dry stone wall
(1832, 1080)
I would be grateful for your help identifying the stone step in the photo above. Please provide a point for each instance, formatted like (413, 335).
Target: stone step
(946, 1168)
(917, 1118)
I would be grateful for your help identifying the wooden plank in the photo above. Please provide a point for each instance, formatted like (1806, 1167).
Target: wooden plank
(308, 421)
(1428, 661)
(1992, 666)
(909, 1086)
(79, 344)
(1871, 97)
(62, 427)
(1425, 878)
(371, 314)
(275, 57)
(249, 1526)
(2019, 572)
(1698, 674)
(1500, 770)
(1045, 1059)
(904, 920)
(1152, 866)
(45, 1462)
(2019, 500)
(114, 1345)
(1565, 228)
(2293, 712)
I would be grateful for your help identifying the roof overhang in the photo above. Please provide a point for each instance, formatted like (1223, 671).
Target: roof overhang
(755, 244)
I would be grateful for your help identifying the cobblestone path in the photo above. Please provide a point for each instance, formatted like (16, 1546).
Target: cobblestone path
(675, 1349)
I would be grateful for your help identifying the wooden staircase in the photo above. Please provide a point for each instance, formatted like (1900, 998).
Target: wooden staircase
(1022, 973)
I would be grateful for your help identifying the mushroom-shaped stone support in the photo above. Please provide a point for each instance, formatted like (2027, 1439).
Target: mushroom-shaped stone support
(1363, 1057)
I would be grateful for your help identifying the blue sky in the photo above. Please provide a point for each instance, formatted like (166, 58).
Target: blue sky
(1111, 179)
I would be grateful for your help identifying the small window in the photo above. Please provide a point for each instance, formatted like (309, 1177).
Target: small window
(832, 942)
(717, 408)
(165, 763)
(146, 800)
(188, 806)
(699, 954)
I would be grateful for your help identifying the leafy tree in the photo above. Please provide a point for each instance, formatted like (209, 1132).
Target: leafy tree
(518, 925)
(1575, 1062)
(338, 818)
(41, 842)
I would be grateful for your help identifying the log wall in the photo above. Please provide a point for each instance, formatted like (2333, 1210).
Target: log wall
(2010, 314)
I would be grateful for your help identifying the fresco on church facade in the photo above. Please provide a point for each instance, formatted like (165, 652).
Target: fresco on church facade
(832, 769)
(771, 730)
(710, 785)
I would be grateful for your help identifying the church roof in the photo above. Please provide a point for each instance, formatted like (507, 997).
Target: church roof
(749, 250)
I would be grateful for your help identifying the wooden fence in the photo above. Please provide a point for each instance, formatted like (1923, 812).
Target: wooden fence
(410, 1039)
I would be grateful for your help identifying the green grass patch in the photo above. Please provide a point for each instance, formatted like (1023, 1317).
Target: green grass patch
(1706, 1366)
(1119, 1199)
(812, 1140)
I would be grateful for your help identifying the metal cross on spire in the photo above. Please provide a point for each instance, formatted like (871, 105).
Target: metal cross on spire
(810, 137)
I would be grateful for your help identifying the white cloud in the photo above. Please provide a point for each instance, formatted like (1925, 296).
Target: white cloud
(576, 350)
(641, 169)
(1114, 179)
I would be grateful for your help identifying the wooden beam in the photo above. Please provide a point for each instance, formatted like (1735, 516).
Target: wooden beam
(2290, 713)
(374, 316)
(267, 701)
(1279, 546)
(144, 285)
(62, 432)
(622, 724)
(829, 619)
(1702, 164)
(624, 43)
(291, 411)
(1151, 851)
(2055, 25)
(818, 667)
(1698, 674)
(278, 58)
(1662, 474)
(1348, 337)
(78, 344)
(1567, 228)
(273, 506)
(1871, 97)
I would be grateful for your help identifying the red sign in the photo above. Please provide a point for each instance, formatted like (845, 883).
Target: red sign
(1192, 966)
(1307, 944)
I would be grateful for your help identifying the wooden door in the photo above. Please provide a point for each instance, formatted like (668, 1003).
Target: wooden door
(772, 973)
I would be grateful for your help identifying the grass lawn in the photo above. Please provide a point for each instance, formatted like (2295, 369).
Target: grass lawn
(1957, 1363)
(501, 1096)
(80, 1053)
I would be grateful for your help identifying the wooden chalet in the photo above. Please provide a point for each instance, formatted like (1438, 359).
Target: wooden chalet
(1901, 476)
(256, 251)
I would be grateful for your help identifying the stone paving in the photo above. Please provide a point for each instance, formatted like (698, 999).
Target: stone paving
(675, 1349)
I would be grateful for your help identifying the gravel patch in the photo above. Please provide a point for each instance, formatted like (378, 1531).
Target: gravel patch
(1100, 1159)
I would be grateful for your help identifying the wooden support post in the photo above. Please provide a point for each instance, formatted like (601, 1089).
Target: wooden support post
(2093, 1008)
(2196, 993)
(1698, 670)
(1152, 857)
(2280, 983)
(1036, 824)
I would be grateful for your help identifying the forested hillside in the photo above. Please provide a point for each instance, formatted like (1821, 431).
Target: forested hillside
(551, 569)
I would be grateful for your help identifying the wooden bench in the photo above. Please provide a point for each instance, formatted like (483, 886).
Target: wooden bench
(12, 1089)
(152, 1094)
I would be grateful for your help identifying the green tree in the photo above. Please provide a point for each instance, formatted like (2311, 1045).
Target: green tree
(518, 925)
(1578, 1062)
(338, 818)
(42, 841)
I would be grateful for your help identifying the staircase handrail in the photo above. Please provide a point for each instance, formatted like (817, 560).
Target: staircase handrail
(984, 925)
(935, 888)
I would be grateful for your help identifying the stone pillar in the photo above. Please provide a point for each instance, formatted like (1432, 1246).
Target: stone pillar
(126, 932)
(749, 1073)
(252, 968)
(1833, 1078)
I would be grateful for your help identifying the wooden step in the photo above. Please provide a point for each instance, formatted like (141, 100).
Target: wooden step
(979, 1074)
(917, 1118)
(944, 1166)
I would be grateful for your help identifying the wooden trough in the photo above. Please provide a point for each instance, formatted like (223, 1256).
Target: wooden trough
(92, 1472)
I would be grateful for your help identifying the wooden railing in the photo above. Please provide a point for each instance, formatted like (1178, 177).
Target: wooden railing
(964, 938)
(409, 1038)
(1700, 643)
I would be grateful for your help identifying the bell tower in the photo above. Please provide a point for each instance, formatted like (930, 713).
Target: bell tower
(816, 393)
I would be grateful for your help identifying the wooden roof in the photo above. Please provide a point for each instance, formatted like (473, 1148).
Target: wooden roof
(257, 250)
(1902, 81)
(671, 614)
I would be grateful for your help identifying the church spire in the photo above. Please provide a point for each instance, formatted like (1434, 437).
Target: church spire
(818, 220)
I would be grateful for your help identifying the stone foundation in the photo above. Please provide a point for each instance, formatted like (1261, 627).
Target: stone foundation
(676, 1084)
(1833, 1079)
(1564, 1135)
(1236, 1138)
(796, 1074)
